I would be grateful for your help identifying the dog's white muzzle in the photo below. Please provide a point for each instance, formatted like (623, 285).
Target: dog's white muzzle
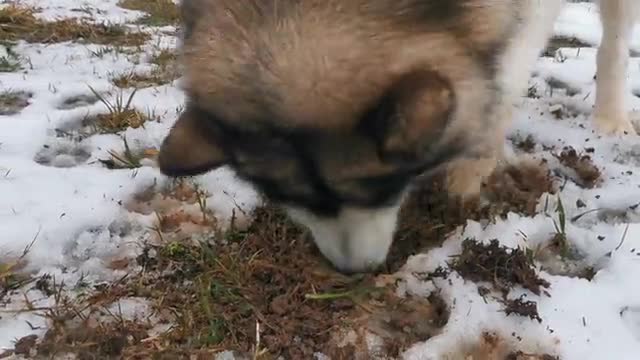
(357, 240)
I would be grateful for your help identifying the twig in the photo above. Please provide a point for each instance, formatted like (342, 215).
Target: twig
(624, 237)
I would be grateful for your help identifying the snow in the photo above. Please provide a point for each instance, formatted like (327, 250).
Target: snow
(75, 214)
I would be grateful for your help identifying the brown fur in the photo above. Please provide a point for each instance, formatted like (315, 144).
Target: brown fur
(317, 64)
(310, 99)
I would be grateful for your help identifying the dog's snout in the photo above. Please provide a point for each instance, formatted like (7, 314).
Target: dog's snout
(356, 241)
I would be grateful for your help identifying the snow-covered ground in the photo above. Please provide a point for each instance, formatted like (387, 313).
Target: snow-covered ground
(56, 195)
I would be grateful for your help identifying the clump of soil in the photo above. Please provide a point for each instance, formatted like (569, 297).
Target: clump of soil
(426, 217)
(522, 307)
(588, 174)
(503, 267)
(519, 355)
(493, 347)
(518, 188)
(25, 345)
(402, 323)
(106, 340)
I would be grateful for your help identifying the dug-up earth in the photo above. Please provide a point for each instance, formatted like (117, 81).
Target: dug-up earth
(101, 257)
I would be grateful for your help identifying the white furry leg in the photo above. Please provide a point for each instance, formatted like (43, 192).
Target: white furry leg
(465, 176)
(611, 113)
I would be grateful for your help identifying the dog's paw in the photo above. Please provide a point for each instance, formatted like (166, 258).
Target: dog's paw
(465, 176)
(619, 124)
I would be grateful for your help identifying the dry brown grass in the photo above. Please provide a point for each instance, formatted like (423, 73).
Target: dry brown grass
(12, 102)
(138, 80)
(120, 114)
(165, 58)
(159, 12)
(114, 122)
(19, 23)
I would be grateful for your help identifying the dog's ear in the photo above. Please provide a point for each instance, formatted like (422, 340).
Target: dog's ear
(190, 148)
(413, 115)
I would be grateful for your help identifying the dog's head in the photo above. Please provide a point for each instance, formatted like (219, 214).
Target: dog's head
(331, 108)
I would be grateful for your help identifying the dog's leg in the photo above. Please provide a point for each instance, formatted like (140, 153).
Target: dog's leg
(611, 112)
(465, 176)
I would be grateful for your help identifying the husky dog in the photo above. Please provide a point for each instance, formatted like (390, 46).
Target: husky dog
(332, 107)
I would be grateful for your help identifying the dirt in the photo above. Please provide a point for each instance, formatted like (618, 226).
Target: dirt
(587, 173)
(502, 267)
(492, 346)
(519, 355)
(522, 307)
(426, 217)
(430, 213)
(271, 275)
(91, 340)
(25, 344)
(517, 188)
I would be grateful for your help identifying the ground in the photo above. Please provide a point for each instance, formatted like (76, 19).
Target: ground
(102, 257)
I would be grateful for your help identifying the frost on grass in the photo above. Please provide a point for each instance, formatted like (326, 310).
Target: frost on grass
(12, 102)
